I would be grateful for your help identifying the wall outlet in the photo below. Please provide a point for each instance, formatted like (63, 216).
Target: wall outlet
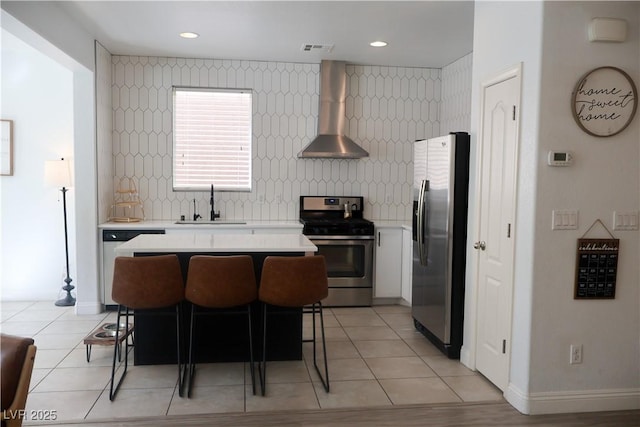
(576, 354)
(261, 198)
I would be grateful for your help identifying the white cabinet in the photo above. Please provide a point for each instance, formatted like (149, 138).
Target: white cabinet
(407, 264)
(388, 253)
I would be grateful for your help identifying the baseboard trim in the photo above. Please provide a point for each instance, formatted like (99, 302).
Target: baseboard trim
(466, 358)
(573, 401)
(88, 308)
(386, 301)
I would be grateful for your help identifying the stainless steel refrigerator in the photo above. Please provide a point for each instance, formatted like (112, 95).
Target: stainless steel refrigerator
(440, 199)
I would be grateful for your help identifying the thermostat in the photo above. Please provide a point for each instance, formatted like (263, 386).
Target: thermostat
(560, 158)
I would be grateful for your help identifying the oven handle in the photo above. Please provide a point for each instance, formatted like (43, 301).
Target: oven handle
(314, 238)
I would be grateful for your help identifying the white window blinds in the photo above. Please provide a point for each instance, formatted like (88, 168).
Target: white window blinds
(211, 139)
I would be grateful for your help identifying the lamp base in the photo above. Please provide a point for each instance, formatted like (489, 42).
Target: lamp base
(66, 301)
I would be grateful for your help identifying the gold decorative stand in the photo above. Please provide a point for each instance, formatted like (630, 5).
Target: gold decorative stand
(127, 206)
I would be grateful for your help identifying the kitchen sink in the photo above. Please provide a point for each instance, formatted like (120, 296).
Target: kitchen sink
(207, 222)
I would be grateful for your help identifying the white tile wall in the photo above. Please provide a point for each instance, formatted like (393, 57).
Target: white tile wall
(387, 109)
(455, 110)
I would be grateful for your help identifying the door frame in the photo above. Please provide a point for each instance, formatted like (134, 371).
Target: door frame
(468, 353)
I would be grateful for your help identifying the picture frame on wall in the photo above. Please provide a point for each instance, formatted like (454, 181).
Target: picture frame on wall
(6, 147)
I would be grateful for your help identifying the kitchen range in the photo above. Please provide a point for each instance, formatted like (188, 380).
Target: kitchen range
(336, 226)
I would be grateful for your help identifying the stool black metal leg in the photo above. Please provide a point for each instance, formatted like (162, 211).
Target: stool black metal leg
(191, 368)
(325, 380)
(116, 354)
(181, 368)
(251, 360)
(263, 366)
(133, 342)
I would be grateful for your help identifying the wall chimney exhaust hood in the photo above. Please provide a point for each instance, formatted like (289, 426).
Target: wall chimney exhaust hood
(331, 143)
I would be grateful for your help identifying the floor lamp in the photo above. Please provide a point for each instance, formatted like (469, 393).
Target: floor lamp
(57, 173)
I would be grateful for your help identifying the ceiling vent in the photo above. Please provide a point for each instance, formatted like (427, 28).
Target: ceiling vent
(315, 47)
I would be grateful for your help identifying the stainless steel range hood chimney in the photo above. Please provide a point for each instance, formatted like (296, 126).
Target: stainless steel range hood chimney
(331, 143)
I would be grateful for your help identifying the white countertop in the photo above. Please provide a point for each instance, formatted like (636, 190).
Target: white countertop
(169, 224)
(207, 243)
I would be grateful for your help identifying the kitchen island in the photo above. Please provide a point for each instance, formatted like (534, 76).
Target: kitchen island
(221, 338)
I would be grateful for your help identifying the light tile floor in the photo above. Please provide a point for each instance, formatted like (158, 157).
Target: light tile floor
(376, 358)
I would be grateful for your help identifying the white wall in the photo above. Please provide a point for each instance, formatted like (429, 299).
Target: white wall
(31, 225)
(53, 27)
(36, 23)
(550, 39)
(104, 131)
(455, 106)
(506, 34)
(603, 179)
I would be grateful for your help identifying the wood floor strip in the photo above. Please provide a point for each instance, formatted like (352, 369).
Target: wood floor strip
(446, 415)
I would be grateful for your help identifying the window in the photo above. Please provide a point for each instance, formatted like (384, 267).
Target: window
(211, 139)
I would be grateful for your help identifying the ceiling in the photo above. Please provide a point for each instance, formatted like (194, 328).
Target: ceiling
(418, 33)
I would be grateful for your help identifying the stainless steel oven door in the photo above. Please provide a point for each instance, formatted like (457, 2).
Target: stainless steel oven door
(349, 262)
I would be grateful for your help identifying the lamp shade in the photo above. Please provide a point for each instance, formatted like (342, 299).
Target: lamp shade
(57, 173)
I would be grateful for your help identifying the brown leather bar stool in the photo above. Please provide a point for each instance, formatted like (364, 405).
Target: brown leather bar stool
(294, 282)
(143, 283)
(220, 282)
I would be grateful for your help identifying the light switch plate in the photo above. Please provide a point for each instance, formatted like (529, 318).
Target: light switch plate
(625, 220)
(564, 220)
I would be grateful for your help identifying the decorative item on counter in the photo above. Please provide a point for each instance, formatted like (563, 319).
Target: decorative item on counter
(127, 206)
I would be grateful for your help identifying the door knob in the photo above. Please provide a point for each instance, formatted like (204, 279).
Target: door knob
(480, 245)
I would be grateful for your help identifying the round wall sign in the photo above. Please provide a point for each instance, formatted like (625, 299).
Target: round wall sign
(604, 101)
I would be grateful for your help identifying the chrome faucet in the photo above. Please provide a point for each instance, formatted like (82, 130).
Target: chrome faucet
(214, 214)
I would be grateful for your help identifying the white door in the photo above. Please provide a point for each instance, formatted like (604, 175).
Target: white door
(498, 151)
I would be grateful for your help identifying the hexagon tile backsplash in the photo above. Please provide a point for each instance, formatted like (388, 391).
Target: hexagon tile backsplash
(387, 108)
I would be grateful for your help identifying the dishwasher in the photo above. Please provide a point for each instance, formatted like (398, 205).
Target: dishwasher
(111, 239)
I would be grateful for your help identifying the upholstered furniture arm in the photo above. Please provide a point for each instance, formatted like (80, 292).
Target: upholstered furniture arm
(18, 356)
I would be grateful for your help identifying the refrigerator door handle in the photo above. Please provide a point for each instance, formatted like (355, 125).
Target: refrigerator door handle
(419, 227)
(425, 224)
(427, 236)
(423, 217)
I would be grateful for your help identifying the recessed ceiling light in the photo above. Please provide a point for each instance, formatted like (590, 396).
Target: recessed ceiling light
(378, 43)
(189, 35)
